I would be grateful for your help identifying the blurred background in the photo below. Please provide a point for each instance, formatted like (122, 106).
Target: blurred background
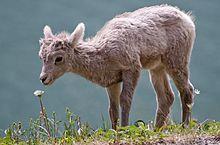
(21, 24)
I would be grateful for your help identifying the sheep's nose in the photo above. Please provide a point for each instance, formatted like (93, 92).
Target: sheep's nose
(43, 78)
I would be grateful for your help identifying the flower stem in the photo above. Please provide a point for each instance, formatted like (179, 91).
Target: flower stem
(44, 116)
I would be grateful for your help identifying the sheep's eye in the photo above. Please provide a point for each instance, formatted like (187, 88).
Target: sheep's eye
(58, 44)
(58, 60)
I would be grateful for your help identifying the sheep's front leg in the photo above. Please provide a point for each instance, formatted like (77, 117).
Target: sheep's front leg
(113, 94)
(129, 79)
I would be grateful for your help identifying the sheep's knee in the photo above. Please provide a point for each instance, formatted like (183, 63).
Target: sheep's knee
(187, 95)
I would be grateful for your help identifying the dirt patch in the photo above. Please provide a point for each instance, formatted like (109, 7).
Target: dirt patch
(202, 140)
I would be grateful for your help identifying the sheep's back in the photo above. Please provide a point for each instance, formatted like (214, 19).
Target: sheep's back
(148, 32)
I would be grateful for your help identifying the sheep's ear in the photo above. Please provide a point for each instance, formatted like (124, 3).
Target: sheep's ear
(47, 32)
(77, 34)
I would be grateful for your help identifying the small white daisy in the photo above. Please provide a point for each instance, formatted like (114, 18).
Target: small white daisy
(38, 93)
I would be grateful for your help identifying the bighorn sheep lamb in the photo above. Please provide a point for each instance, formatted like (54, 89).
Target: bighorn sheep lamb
(157, 38)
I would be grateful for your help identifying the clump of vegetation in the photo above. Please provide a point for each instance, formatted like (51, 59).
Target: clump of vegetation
(50, 130)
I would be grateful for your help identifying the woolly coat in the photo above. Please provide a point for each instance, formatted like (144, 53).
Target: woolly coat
(143, 39)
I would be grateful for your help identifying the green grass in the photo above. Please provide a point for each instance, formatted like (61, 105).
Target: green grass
(50, 130)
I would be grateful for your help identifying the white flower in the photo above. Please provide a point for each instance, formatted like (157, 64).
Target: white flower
(197, 92)
(38, 93)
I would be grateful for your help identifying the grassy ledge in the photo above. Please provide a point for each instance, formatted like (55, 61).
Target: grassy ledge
(76, 133)
(50, 130)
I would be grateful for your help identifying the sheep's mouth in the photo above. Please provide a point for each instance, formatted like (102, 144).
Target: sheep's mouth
(48, 81)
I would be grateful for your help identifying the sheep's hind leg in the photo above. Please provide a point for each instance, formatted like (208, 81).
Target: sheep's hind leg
(113, 94)
(129, 79)
(164, 94)
(186, 90)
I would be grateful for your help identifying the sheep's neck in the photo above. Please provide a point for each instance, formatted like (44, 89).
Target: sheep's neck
(86, 60)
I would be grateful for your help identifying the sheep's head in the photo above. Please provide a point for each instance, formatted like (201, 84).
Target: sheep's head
(55, 53)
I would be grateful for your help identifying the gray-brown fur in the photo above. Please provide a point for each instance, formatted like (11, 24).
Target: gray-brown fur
(157, 38)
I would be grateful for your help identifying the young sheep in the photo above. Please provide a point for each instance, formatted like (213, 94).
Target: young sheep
(157, 38)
